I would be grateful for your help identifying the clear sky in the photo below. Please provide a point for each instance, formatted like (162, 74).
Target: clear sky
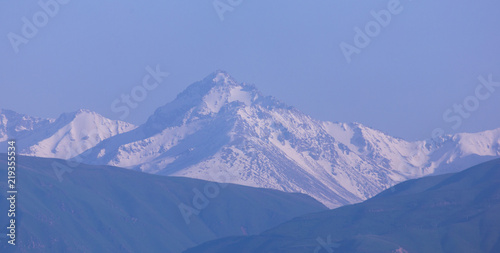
(427, 58)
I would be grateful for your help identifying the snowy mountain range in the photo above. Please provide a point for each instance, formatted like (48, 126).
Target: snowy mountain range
(64, 137)
(225, 131)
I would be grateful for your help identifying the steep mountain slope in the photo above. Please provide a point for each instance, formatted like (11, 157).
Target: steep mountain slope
(447, 213)
(221, 130)
(108, 209)
(225, 131)
(67, 136)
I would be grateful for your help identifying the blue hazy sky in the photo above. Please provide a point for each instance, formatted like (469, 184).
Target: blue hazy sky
(426, 59)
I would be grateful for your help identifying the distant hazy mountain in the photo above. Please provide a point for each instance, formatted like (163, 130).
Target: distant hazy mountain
(14, 125)
(225, 131)
(109, 209)
(448, 213)
(65, 137)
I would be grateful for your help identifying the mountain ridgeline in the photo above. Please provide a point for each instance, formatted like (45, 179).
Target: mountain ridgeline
(63, 207)
(221, 130)
(451, 213)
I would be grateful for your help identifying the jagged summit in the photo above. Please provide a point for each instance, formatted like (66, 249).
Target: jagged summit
(221, 77)
(85, 111)
(69, 116)
(217, 92)
(218, 79)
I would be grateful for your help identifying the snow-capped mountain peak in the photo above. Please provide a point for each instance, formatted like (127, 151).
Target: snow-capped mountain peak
(220, 130)
(202, 100)
(65, 137)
